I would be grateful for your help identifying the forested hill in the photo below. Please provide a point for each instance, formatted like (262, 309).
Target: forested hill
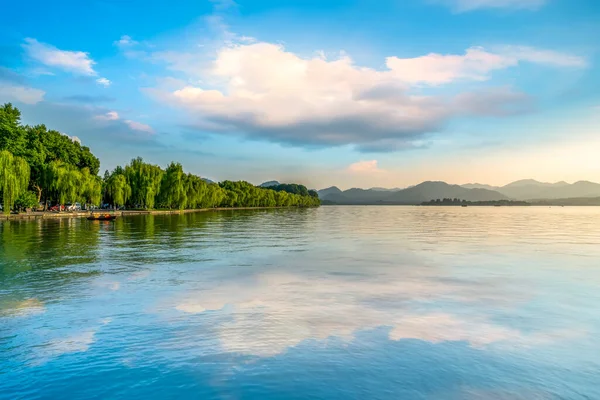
(42, 165)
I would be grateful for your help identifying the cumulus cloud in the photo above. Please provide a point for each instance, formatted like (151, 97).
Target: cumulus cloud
(138, 126)
(103, 82)
(125, 41)
(73, 138)
(133, 125)
(263, 91)
(364, 167)
(77, 62)
(109, 116)
(470, 5)
(20, 93)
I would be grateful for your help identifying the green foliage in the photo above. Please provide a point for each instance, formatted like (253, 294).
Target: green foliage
(172, 190)
(118, 190)
(290, 188)
(14, 177)
(12, 134)
(26, 200)
(59, 169)
(145, 182)
(39, 147)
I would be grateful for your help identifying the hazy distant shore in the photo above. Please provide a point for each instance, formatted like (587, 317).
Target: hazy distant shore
(586, 202)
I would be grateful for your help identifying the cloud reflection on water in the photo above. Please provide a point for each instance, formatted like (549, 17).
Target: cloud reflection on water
(273, 311)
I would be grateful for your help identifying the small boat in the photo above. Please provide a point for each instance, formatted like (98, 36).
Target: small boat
(102, 217)
(464, 205)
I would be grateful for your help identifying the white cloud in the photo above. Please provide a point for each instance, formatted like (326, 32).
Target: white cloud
(134, 125)
(541, 56)
(19, 93)
(476, 64)
(103, 81)
(264, 91)
(364, 167)
(470, 5)
(436, 69)
(109, 116)
(75, 139)
(40, 72)
(77, 62)
(125, 41)
(138, 126)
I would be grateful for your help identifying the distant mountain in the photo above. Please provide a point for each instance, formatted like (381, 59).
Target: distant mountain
(530, 189)
(422, 192)
(269, 184)
(329, 191)
(207, 180)
(479, 186)
(427, 191)
(380, 189)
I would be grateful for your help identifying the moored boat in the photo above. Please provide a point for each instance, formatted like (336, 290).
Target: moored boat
(102, 217)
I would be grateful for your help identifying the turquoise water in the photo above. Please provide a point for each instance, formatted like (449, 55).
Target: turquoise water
(328, 303)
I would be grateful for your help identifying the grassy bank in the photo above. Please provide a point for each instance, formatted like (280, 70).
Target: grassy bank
(125, 213)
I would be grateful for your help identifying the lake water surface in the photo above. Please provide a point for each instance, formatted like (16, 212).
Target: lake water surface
(327, 303)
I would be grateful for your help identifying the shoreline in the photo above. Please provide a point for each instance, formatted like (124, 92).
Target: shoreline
(124, 213)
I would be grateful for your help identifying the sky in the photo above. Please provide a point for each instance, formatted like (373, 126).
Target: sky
(352, 93)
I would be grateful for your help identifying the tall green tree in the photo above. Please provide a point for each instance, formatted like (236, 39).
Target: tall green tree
(14, 178)
(172, 190)
(118, 190)
(12, 134)
(91, 188)
(145, 181)
(67, 182)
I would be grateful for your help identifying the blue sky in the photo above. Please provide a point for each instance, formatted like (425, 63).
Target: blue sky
(348, 93)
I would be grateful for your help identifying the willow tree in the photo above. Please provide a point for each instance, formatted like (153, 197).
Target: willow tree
(14, 178)
(172, 190)
(65, 180)
(145, 181)
(91, 187)
(117, 189)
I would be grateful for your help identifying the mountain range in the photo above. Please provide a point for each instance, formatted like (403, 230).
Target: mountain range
(528, 189)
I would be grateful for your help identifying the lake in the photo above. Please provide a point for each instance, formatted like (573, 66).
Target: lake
(328, 303)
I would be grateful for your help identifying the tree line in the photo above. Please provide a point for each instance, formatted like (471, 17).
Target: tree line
(38, 165)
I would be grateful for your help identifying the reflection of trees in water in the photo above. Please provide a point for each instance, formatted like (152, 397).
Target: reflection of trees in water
(41, 244)
(41, 256)
(152, 239)
(44, 255)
